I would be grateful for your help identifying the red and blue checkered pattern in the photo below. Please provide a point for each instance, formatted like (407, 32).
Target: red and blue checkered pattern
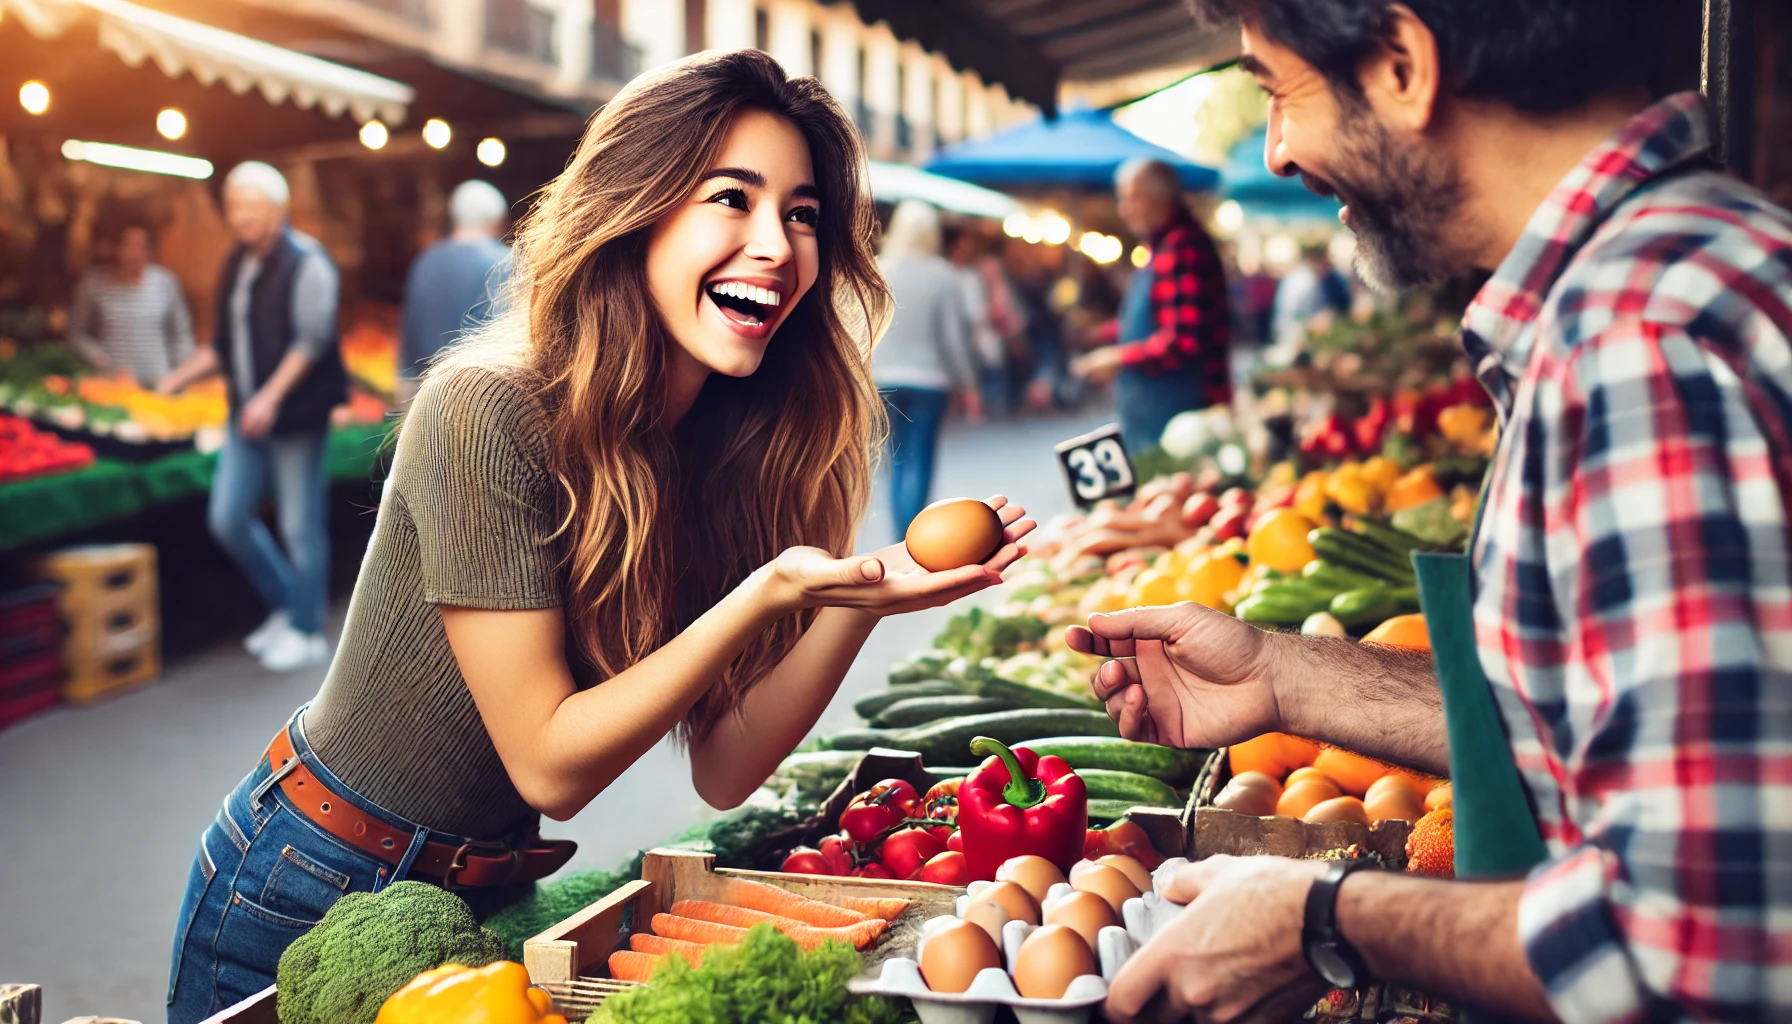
(1633, 603)
(1190, 305)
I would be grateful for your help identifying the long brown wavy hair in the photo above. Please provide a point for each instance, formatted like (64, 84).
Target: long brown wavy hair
(661, 522)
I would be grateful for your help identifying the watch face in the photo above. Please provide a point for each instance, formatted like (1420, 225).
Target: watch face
(1331, 967)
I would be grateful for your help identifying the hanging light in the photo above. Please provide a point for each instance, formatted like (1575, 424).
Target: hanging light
(1054, 228)
(491, 152)
(436, 133)
(171, 123)
(1015, 224)
(1229, 217)
(131, 158)
(34, 96)
(374, 134)
(1140, 256)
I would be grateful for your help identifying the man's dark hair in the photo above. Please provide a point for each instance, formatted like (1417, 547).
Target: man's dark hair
(1539, 56)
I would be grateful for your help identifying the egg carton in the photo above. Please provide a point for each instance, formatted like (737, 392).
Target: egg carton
(993, 988)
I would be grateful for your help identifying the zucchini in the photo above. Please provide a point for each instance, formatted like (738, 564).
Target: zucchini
(949, 742)
(1104, 784)
(1168, 764)
(1113, 810)
(1020, 695)
(922, 710)
(1341, 547)
(869, 705)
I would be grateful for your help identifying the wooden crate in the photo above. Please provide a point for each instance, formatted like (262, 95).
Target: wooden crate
(90, 679)
(1213, 830)
(257, 1009)
(107, 600)
(575, 952)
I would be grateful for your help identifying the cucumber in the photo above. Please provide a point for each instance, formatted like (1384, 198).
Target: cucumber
(1336, 578)
(949, 742)
(943, 774)
(1373, 604)
(1104, 784)
(1113, 810)
(1021, 695)
(869, 705)
(1341, 547)
(816, 773)
(918, 667)
(1167, 764)
(860, 739)
(922, 710)
(1282, 603)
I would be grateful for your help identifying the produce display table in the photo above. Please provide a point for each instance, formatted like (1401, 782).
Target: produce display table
(46, 508)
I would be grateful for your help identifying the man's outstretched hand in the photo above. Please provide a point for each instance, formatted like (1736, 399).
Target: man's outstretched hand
(1184, 675)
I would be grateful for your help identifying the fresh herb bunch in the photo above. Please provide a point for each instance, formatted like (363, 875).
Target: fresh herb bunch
(767, 979)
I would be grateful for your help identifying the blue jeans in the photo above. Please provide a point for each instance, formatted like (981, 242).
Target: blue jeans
(263, 876)
(298, 580)
(1146, 404)
(915, 415)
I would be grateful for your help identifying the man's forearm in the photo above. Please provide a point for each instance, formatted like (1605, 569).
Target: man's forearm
(292, 367)
(1457, 941)
(1375, 700)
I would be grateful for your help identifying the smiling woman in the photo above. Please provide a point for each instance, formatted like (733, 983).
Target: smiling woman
(626, 507)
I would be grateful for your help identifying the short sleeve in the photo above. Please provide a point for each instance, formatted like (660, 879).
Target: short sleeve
(471, 474)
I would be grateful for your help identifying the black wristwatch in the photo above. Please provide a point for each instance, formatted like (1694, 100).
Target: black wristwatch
(1322, 942)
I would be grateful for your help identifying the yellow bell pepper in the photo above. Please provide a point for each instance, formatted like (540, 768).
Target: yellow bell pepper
(1413, 489)
(1209, 578)
(1279, 541)
(1152, 587)
(452, 994)
(1463, 425)
(1381, 472)
(1309, 497)
(1352, 492)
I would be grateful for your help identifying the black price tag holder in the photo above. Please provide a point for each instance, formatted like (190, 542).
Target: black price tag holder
(1096, 466)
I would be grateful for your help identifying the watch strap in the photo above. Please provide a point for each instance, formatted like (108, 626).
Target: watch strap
(1320, 927)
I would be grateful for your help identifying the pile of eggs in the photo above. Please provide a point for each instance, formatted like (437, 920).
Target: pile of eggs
(1037, 940)
(1295, 778)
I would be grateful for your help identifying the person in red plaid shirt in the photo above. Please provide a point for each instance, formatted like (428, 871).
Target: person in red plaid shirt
(1631, 619)
(1169, 349)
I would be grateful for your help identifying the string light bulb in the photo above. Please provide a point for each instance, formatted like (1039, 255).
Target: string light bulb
(491, 152)
(171, 123)
(374, 134)
(436, 133)
(34, 96)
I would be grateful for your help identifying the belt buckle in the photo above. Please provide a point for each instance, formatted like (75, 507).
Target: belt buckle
(458, 862)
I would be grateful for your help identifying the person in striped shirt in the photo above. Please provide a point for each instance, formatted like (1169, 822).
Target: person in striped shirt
(1629, 619)
(131, 316)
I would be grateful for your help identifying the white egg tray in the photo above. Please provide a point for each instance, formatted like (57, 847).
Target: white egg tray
(993, 988)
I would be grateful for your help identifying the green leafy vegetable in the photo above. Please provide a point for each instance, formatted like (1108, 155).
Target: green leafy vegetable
(370, 945)
(766, 978)
(1432, 523)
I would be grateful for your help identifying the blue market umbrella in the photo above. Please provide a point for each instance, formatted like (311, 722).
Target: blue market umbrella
(1247, 181)
(1082, 148)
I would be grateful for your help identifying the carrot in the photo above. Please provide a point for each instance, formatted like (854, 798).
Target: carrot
(784, 903)
(807, 936)
(872, 906)
(659, 945)
(627, 965)
(692, 930)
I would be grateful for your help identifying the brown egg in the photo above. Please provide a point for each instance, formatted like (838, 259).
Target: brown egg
(952, 956)
(1393, 781)
(1394, 802)
(998, 904)
(1032, 873)
(1307, 774)
(1256, 780)
(1343, 808)
(1130, 867)
(1084, 913)
(1256, 801)
(1302, 797)
(954, 533)
(1049, 961)
(1442, 796)
(1109, 883)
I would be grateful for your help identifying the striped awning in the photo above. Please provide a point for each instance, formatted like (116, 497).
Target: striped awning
(179, 46)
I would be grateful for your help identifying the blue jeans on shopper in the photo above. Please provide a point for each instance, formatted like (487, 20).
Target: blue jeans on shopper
(296, 581)
(263, 876)
(915, 415)
(1147, 404)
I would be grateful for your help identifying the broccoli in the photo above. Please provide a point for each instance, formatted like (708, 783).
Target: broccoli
(372, 944)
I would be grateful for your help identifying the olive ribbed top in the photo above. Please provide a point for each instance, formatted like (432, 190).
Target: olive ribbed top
(465, 521)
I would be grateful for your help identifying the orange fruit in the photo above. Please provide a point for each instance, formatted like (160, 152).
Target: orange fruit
(1279, 540)
(1302, 797)
(1263, 754)
(1297, 752)
(1300, 775)
(1353, 773)
(1338, 808)
(1431, 848)
(1401, 631)
(1394, 781)
(1394, 802)
(1439, 797)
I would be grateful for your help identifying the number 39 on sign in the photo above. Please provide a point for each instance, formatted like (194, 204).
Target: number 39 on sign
(1096, 466)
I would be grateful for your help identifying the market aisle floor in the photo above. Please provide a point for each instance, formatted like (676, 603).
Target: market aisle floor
(101, 807)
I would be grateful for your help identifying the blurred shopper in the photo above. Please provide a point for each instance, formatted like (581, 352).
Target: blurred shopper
(1309, 295)
(1609, 680)
(980, 309)
(455, 282)
(131, 316)
(1170, 349)
(925, 357)
(274, 340)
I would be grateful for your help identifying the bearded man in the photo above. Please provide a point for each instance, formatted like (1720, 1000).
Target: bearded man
(1611, 677)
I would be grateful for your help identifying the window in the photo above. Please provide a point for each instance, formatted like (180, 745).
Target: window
(762, 29)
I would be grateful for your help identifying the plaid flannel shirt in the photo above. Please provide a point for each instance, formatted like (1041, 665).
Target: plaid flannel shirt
(1633, 607)
(1192, 309)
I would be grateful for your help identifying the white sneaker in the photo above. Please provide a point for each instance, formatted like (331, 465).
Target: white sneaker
(290, 649)
(264, 634)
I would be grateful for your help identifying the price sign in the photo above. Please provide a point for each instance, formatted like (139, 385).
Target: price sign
(1096, 466)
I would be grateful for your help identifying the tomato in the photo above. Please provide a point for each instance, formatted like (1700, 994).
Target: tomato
(880, 809)
(841, 853)
(947, 868)
(955, 842)
(806, 860)
(905, 852)
(872, 870)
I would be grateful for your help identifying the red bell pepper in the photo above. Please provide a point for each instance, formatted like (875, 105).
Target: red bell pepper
(1020, 803)
(879, 809)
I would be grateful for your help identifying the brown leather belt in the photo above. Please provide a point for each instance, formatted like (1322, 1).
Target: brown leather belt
(466, 866)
